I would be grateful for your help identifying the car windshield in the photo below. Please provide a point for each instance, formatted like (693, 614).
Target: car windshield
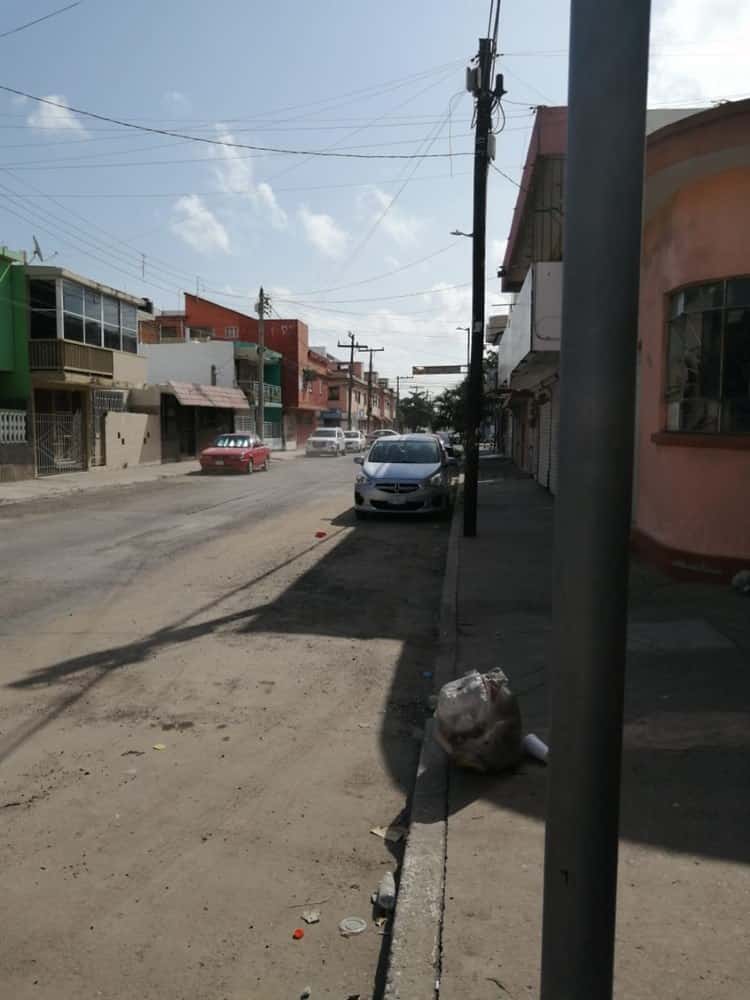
(330, 433)
(231, 441)
(351, 434)
(405, 452)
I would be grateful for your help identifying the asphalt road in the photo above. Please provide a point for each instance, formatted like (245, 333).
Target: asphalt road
(285, 677)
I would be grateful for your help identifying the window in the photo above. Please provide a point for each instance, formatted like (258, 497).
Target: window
(129, 323)
(708, 358)
(231, 332)
(334, 392)
(43, 324)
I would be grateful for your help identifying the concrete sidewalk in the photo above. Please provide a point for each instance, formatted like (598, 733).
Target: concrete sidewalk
(98, 478)
(684, 887)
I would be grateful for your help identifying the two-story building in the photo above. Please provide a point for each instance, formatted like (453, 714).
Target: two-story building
(304, 386)
(83, 361)
(691, 488)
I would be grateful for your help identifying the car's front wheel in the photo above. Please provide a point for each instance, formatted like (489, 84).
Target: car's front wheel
(250, 468)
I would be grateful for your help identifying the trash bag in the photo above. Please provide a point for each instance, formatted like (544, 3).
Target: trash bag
(478, 722)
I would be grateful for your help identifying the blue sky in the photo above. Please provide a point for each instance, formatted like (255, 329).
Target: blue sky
(155, 215)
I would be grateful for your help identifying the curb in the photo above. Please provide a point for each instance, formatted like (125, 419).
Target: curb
(416, 939)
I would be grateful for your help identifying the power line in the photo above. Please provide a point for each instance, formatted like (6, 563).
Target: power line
(219, 142)
(38, 20)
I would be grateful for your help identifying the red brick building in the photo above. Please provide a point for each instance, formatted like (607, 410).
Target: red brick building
(305, 385)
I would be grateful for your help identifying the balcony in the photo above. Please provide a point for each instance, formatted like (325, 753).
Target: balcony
(271, 393)
(69, 356)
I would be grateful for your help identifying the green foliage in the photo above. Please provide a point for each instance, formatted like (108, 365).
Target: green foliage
(416, 411)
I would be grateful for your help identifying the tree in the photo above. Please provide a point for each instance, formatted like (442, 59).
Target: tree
(450, 405)
(416, 411)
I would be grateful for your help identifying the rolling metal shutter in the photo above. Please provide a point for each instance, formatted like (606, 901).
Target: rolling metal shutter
(543, 450)
(554, 426)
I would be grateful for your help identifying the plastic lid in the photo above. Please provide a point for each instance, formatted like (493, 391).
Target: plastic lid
(352, 925)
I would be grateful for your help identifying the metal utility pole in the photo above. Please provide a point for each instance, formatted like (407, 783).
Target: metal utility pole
(486, 91)
(352, 345)
(604, 181)
(370, 351)
(263, 306)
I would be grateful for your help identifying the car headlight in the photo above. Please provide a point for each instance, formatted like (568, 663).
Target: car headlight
(435, 480)
(361, 479)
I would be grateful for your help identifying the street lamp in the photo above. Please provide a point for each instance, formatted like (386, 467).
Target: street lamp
(459, 232)
(467, 331)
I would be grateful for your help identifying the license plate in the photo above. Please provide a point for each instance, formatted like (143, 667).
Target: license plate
(218, 461)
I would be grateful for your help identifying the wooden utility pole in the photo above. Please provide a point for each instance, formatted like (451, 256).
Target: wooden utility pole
(352, 345)
(487, 92)
(371, 351)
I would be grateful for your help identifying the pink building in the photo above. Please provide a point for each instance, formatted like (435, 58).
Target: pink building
(692, 458)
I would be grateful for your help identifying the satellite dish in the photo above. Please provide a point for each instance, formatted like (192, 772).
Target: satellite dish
(37, 254)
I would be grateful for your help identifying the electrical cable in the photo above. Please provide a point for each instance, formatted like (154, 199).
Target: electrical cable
(218, 142)
(38, 20)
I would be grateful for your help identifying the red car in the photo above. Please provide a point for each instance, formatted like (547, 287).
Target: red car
(236, 453)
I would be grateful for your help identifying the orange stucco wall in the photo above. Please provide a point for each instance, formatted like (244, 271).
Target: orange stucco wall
(692, 499)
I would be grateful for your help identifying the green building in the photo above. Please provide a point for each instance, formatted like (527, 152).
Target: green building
(15, 380)
(16, 452)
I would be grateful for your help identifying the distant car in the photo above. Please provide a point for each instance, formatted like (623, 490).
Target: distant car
(326, 441)
(355, 440)
(404, 474)
(236, 453)
(385, 432)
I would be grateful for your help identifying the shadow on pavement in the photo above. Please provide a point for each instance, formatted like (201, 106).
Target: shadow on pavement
(686, 765)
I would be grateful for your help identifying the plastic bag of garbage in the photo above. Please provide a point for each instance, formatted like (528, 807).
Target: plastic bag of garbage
(478, 722)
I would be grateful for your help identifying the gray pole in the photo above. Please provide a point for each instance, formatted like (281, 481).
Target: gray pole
(606, 125)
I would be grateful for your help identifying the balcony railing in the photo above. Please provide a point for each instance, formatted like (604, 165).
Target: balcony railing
(67, 355)
(271, 393)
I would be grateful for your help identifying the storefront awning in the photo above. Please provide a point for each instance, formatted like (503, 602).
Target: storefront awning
(192, 394)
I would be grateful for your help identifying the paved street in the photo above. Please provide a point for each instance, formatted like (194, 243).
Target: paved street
(283, 674)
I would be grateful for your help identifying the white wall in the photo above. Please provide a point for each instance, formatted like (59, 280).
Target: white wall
(516, 342)
(131, 439)
(190, 362)
(535, 320)
(547, 306)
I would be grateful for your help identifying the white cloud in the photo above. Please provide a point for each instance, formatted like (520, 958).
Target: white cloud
(266, 197)
(377, 206)
(175, 100)
(234, 174)
(323, 232)
(196, 224)
(51, 117)
(699, 50)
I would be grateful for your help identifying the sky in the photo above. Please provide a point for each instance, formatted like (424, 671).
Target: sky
(343, 243)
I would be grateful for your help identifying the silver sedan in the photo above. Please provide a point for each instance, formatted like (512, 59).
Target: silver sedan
(405, 474)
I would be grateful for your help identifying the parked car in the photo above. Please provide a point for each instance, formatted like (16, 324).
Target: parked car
(384, 432)
(326, 441)
(452, 447)
(404, 474)
(236, 453)
(355, 440)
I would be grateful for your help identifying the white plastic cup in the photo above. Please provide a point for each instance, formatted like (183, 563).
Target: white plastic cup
(535, 747)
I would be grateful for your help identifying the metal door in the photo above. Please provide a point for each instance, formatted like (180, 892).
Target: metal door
(59, 443)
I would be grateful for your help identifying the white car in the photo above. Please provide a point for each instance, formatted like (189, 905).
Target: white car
(355, 440)
(326, 441)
